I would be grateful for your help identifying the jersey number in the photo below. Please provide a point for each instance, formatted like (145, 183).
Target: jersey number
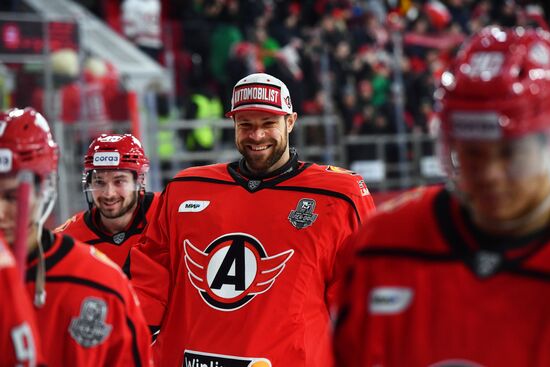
(23, 343)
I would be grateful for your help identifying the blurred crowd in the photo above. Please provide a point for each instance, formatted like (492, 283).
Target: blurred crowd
(336, 56)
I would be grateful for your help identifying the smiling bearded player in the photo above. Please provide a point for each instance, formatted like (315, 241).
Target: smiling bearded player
(114, 185)
(249, 253)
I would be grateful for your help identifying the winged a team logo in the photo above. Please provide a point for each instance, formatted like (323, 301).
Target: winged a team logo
(232, 270)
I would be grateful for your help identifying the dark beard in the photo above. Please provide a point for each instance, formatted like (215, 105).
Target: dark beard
(262, 166)
(124, 210)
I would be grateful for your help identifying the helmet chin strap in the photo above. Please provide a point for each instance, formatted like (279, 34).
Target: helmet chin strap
(46, 202)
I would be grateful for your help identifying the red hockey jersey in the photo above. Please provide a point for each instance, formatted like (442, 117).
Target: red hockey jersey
(429, 289)
(91, 316)
(83, 226)
(250, 264)
(19, 339)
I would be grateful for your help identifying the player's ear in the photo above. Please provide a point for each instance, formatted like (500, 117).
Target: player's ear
(290, 119)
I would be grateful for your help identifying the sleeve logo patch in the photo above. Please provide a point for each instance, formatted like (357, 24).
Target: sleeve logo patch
(339, 170)
(89, 328)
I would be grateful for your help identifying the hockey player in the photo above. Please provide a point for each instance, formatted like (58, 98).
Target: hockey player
(87, 312)
(460, 275)
(250, 250)
(18, 332)
(114, 186)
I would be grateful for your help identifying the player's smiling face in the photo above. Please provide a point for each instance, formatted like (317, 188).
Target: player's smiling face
(8, 207)
(114, 192)
(262, 139)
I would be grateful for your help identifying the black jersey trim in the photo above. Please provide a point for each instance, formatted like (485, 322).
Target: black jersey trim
(325, 192)
(457, 244)
(204, 179)
(135, 347)
(435, 257)
(376, 251)
(530, 273)
(66, 245)
(272, 184)
(141, 217)
(83, 282)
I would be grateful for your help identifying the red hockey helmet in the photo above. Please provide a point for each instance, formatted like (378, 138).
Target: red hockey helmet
(438, 14)
(116, 151)
(499, 86)
(26, 143)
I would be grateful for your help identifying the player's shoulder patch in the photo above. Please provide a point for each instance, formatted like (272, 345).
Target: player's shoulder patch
(337, 169)
(65, 225)
(342, 180)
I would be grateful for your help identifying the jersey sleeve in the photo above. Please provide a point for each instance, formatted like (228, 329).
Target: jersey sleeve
(364, 207)
(18, 331)
(149, 263)
(140, 335)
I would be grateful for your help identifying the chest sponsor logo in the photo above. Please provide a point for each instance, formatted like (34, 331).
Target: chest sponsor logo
(232, 270)
(389, 300)
(199, 359)
(89, 328)
(456, 363)
(193, 206)
(303, 216)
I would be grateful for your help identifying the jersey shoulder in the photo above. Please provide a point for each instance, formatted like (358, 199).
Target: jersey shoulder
(405, 221)
(95, 265)
(215, 171)
(332, 178)
(73, 224)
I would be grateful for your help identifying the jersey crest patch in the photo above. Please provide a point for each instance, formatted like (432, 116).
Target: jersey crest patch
(89, 328)
(232, 270)
(303, 216)
(486, 263)
(254, 184)
(119, 238)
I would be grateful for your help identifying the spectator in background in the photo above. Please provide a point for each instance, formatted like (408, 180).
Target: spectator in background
(141, 20)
